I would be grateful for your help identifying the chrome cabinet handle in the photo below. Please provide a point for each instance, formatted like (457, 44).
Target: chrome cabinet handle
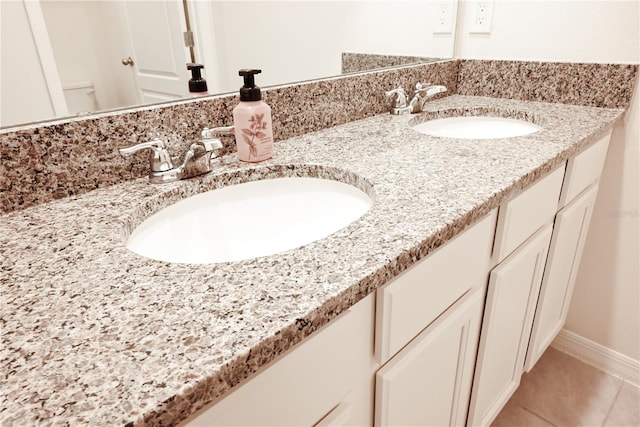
(127, 61)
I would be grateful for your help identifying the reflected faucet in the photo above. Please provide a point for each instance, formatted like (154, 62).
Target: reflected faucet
(423, 92)
(197, 160)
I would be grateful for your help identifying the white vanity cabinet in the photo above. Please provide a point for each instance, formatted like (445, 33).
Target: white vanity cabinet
(522, 242)
(569, 234)
(530, 290)
(511, 302)
(445, 342)
(427, 324)
(428, 383)
(427, 329)
(414, 299)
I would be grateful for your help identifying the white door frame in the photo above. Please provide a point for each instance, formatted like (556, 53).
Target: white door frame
(202, 25)
(47, 60)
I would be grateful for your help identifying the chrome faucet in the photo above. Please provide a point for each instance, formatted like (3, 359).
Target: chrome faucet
(197, 160)
(423, 92)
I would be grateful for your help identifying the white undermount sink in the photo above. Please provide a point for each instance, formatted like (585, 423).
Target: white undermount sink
(248, 220)
(476, 127)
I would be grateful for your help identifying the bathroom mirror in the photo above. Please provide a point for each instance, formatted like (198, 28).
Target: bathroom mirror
(89, 56)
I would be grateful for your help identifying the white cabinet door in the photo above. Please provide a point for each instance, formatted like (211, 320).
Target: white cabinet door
(569, 235)
(428, 383)
(512, 295)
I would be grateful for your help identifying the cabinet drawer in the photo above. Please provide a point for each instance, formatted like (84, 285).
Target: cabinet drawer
(413, 300)
(584, 170)
(522, 216)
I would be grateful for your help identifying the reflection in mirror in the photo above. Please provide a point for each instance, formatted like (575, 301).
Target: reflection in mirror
(73, 57)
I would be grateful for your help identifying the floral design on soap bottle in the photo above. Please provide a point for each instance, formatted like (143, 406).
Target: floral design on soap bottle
(256, 130)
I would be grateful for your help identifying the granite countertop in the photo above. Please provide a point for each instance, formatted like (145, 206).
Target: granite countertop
(93, 334)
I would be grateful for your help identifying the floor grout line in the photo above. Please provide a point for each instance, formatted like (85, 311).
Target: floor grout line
(613, 397)
(539, 416)
(604, 422)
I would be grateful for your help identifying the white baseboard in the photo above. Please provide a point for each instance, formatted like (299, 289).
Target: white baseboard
(597, 355)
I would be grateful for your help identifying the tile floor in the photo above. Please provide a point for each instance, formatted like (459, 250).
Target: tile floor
(564, 391)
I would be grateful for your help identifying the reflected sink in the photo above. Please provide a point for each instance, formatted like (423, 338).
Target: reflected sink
(248, 220)
(476, 127)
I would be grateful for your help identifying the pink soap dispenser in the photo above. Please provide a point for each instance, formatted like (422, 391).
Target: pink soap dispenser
(252, 121)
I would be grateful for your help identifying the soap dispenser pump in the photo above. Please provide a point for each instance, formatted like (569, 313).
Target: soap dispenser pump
(197, 84)
(252, 121)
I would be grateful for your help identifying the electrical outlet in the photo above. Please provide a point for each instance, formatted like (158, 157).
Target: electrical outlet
(444, 17)
(481, 14)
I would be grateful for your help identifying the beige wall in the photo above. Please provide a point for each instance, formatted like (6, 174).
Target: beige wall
(606, 301)
(606, 304)
(556, 30)
(304, 40)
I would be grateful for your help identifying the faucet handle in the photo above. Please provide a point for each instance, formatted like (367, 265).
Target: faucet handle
(154, 145)
(209, 140)
(420, 87)
(219, 131)
(159, 157)
(209, 143)
(397, 97)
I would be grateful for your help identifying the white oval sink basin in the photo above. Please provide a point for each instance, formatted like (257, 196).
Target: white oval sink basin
(476, 127)
(248, 220)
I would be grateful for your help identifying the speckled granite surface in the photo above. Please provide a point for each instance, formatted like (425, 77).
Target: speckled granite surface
(95, 335)
(44, 163)
(356, 62)
(595, 85)
(68, 157)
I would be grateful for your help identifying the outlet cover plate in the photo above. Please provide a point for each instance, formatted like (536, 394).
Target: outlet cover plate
(444, 16)
(481, 14)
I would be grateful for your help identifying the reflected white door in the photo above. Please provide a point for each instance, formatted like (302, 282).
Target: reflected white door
(155, 29)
